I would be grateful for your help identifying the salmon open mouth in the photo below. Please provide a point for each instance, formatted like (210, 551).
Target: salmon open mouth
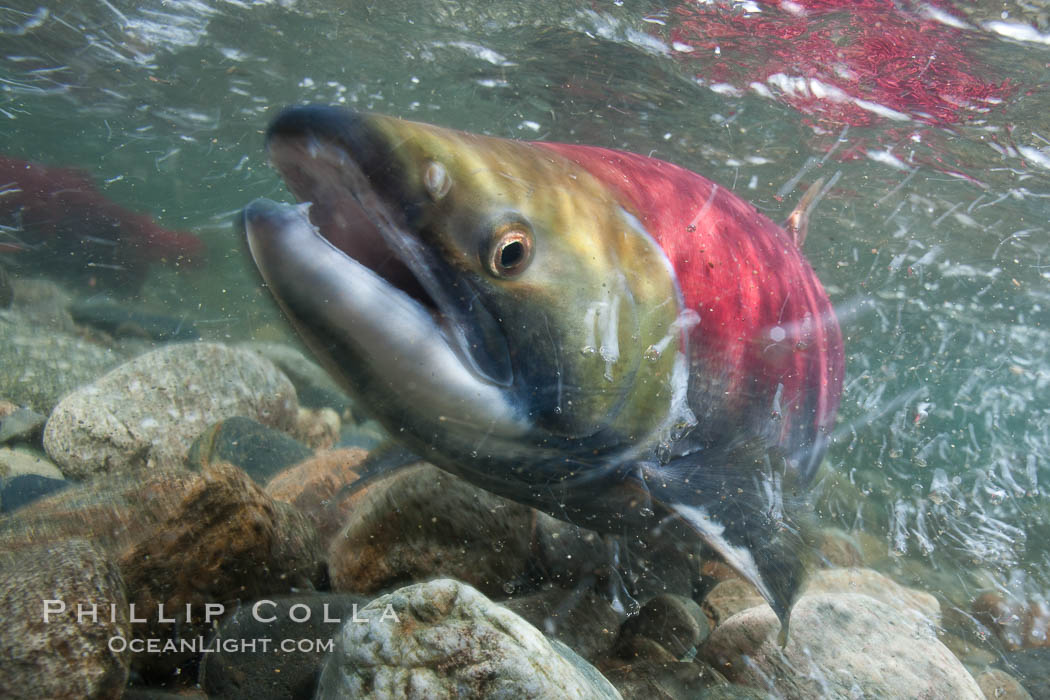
(362, 203)
(345, 210)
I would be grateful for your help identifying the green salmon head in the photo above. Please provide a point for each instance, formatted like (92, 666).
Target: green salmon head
(491, 303)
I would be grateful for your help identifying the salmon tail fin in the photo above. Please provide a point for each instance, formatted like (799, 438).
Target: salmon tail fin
(797, 223)
(745, 507)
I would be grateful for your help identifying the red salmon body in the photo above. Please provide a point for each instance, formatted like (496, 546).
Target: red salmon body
(767, 343)
(57, 222)
(607, 337)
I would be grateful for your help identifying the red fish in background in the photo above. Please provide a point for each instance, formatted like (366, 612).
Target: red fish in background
(843, 63)
(55, 222)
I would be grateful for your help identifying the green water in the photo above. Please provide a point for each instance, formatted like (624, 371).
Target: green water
(932, 244)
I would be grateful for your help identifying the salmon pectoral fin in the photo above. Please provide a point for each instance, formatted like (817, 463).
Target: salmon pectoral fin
(741, 504)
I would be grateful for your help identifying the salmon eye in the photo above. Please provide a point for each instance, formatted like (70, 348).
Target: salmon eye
(511, 252)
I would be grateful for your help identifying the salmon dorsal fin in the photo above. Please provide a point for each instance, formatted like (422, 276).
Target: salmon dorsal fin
(797, 223)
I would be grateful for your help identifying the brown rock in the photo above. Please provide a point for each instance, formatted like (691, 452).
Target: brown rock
(917, 604)
(840, 645)
(317, 428)
(675, 622)
(180, 538)
(567, 554)
(112, 512)
(728, 598)
(582, 620)
(717, 571)
(646, 676)
(419, 523)
(52, 654)
(663, 565)
(225, 541)
(839, 549)
(644, 650)
(1019, 624)
(1000, 685)
(712, 572)
(873, 550)
(316, 488)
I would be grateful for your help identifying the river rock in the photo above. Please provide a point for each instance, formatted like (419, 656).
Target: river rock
(288, 663)
(669, 679)
(259, 450)
(567, 554)
(148, 411)
(420, 522)
(38, 367)
(318, 428)
(145, 693)
(21, 490)
(20, 424)
(18, 461)
(919, 605)
(735, 595)
(1018, 623)
(42, 303)
(314, 386)
(1032, 668)
(445, 639)
(225, 541)
(316, 487)
(729, 597)
(840, 645)
(999, 685)
(839, 548)
(112, 512)
(180, 538)
(58, 656)
(123, 321)
(581, 619)
(367, 435)
(674, 622)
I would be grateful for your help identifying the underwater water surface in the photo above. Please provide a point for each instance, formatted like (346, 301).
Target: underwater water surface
(928, 122)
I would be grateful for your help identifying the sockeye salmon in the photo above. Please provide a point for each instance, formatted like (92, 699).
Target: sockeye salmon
(55, 222)
(607, 337)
